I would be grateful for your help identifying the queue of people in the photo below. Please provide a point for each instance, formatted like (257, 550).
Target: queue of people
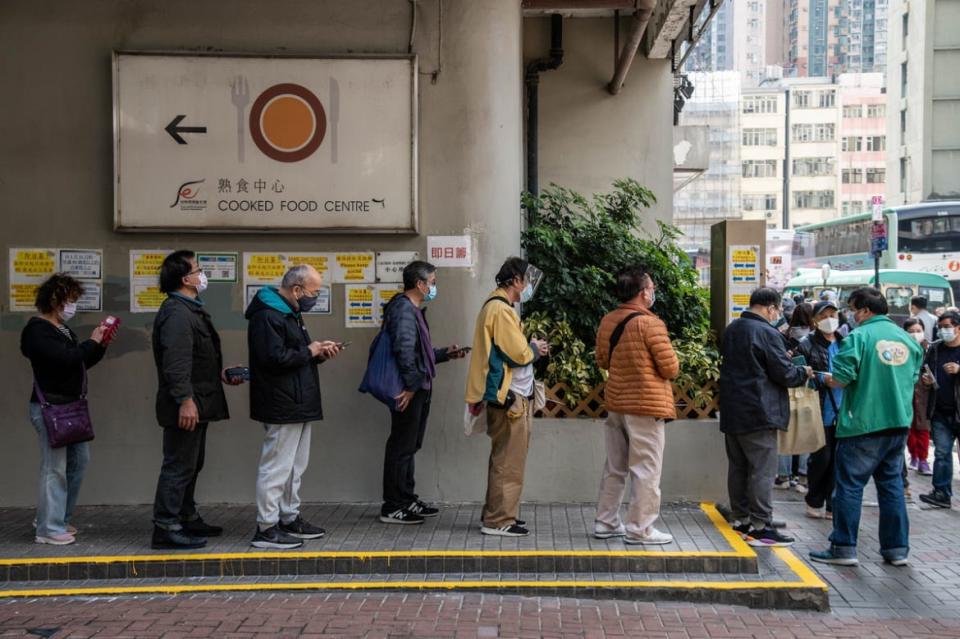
(873, 399)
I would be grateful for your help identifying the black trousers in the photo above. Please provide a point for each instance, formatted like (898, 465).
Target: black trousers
(406, 438)
(821, 473)
(183, 454)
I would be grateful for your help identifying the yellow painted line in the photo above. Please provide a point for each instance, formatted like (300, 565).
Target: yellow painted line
(740, 550)
(807, 577)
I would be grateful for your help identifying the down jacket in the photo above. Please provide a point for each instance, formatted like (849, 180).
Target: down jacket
(400, 322)
(642, 366)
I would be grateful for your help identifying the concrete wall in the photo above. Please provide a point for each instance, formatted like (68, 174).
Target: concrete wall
(55, 190)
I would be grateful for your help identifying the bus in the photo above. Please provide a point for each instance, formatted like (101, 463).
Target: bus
(926, 238)
(897, 285)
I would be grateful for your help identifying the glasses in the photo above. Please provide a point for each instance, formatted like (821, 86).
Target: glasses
(315, 293)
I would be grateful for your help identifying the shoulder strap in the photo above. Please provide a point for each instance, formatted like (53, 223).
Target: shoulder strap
(618, 331)
(499, 298)
(43, 400)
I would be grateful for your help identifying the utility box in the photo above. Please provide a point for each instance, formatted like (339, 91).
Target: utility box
(737, 267)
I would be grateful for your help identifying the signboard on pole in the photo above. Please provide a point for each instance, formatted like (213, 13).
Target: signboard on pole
(248, 143)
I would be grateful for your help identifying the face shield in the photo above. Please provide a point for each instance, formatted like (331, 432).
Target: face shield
(533, 277)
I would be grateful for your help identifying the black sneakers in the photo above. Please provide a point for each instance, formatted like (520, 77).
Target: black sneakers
(510, 530)
(302, 529)
(164, 539)
(422, 509)
(275, 539)
(937, 499)
(403, 516)
(199, 528)
(768, 537)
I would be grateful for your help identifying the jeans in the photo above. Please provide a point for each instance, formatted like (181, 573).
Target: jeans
(858, 459)
(751, 469)
(61, 473)
(283, 460)
(183, 455)
(788, 465)
(406, 437)
(946, 429)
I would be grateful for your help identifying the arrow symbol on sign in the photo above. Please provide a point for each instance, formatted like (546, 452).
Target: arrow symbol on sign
(175, 130)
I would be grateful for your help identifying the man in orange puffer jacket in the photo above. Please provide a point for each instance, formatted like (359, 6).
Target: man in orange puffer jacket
(633, 345)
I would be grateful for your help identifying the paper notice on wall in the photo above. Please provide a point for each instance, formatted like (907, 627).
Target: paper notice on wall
(354, 268)
(219, 267)
(779, 258)
(29, 267)
(87, 266)
(450, 250)
(145, 295)
(739, 300)
(360, 309)
(268, 269)
(744, 264)
(383, 293)
(390, 264)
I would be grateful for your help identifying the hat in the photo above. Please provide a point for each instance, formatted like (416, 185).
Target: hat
(822, 306)
(828, 295)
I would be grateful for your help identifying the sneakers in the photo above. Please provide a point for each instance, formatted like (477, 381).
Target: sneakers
(274, 538)
(782, 482)
(768, 537)
(815, 513)
(422, 509)
(653, 538)
(403, 516)
(71, 530)
(828, 557)
(164, 539)
(302, 529)
(800, 488)
(603, 531)
(897, 561)
(62, 539)
(937, 499)
(924, 468)
(914, 463)
(510, 530)
(742, 529)
(199, 528)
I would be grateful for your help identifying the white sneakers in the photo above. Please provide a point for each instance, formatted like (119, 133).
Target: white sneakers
(653, 537)
(603, 531)
(63, 539)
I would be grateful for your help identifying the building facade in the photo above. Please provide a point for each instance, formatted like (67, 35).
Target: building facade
(863, 141)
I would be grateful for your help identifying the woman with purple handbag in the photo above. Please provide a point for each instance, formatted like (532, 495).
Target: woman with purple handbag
(58, 404)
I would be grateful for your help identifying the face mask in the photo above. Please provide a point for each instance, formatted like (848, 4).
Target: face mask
(828, 324)
(527, 294)
(69, 310)
(799, 332)
(431, 294)
(653, 298)
(948, 334)
(919, 337)
(307, 303)
(202, 283)
(777, 323)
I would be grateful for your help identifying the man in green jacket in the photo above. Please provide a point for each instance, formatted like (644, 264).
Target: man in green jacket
(877, 366)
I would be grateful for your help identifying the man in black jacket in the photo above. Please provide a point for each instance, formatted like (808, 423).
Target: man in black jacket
(285, 397)
(754, 376)
(406, 324)
(186, 349)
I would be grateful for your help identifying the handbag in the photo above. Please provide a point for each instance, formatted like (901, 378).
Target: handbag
(805, 433)
(66, 423)
(382, 377)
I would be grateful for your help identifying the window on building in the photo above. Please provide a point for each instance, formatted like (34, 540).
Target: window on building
(801, 99)
(828, 99)
(903, 80)
(802, 132)
(852, 111)
(813, 199)
(903, 126)
(851, 143)
(876, 110)
(903, 175)
(823, 132)
(760, 202)
(876, 176)
(759, 168)
(759, 137)
(760, 104)
(852, 207)
(813, 167)
(906, 29)
(876, 143)
(852, 176)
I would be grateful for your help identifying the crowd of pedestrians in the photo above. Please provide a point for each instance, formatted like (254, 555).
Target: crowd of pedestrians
(881, 389)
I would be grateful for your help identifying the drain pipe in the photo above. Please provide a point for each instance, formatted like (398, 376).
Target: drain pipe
(532, 80)
(640, 20)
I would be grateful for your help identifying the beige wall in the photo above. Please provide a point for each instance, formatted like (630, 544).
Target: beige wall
(588, 138)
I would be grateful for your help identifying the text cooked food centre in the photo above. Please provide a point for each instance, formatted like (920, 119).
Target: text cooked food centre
(351, 134)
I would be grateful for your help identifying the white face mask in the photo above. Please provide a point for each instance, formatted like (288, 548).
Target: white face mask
(948, 334)
(799, 332)
(68, 311)
(919, 337)
(828, 325)
(201, 284)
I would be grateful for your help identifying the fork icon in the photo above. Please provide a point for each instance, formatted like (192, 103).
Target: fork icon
(240, 96)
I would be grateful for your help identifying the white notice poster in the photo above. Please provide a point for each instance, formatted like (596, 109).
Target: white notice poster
(145, 295)
(268, 269)
(29, 267)
(390, 264)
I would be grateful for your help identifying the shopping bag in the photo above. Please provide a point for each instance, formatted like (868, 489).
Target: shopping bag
(474, 418)
(382, 377)
(805, 432)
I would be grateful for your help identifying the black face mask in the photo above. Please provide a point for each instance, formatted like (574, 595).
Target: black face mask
(307, 303)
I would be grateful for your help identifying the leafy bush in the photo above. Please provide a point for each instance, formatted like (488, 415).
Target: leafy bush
(580, 244)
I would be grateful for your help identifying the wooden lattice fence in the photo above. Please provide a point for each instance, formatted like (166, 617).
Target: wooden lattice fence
(592, 405)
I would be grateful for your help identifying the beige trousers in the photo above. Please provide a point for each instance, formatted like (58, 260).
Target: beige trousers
(509, 433)
(634, 447)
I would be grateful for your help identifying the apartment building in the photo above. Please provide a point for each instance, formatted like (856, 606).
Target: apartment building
(761, 155)
(863, 141)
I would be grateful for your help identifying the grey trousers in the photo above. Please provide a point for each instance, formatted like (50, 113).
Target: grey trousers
(752, 467)
(283, 459)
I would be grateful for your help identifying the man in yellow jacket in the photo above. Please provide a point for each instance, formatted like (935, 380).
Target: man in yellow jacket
(633, 344)
(501, 376)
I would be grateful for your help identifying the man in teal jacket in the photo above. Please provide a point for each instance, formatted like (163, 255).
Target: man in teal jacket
(878, 365)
